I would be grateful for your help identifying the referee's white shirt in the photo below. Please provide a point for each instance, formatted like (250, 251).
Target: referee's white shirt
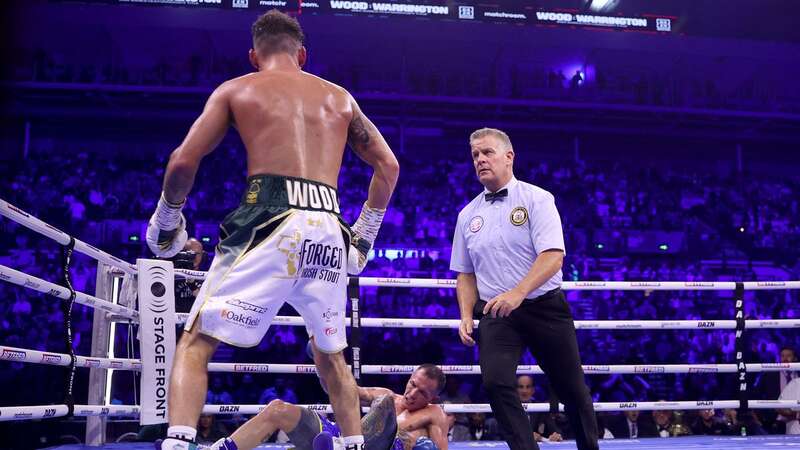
(499, 241)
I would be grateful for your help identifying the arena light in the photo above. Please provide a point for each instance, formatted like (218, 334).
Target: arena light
(600, 246)
(741, 229)
(206, 239)
(664, 247)
(133, 238)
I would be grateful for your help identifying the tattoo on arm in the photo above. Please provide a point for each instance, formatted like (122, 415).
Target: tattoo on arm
(358, 134)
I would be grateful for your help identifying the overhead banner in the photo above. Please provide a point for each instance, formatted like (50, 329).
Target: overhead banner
(522, 13)
(156, 336)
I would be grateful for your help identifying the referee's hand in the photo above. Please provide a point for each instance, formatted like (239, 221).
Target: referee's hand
(465, 332)
(503, 304)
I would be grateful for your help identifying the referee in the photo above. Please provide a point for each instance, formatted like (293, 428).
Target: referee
(508, 249)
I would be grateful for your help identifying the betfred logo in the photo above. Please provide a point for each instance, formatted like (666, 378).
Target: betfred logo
(13, 355)
(263, 368)
(240, 319)
(51, 359)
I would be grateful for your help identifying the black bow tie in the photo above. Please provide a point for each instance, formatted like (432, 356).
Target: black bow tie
(499, 195)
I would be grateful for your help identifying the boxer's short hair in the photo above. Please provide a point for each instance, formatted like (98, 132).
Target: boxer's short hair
(275, 32)
(435, 373)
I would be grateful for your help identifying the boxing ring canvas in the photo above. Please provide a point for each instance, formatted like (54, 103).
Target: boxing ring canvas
(679, 443)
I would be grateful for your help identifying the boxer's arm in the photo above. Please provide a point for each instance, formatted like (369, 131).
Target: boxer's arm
(368, 143)
(367, 394)
(205, 134)
(438, 428)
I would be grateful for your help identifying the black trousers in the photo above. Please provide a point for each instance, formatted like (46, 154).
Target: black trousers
(545, 326)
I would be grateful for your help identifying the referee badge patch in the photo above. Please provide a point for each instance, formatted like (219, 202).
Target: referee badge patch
(519, 216)
(476, 224)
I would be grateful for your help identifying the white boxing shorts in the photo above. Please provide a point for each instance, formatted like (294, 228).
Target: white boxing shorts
(286, 243)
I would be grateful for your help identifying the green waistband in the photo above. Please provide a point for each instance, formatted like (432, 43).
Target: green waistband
(291, 192)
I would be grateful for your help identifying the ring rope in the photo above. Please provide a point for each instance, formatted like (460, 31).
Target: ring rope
(66, 309)
(16, 354)
(49, 411)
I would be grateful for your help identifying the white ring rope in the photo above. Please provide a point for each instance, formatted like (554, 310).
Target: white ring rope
(21, 217)
(37, 284)
(49, 411)
(18, 215)
(16, 354)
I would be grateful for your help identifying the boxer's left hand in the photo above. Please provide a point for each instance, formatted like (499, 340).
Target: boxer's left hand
(166, 231)
(503, 304)
(365, 231)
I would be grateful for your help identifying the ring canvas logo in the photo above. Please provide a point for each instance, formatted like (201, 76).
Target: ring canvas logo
(157, 320)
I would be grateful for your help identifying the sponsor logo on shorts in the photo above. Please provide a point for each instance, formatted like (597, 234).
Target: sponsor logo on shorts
(476, 224)
(303, 194)
(288, 245)
(240, 319)
(13, 355)
(48, 358)
(261, 368)
(330, 331)
(649, 369)
(246, 306)
(329, 315)
(228, 409)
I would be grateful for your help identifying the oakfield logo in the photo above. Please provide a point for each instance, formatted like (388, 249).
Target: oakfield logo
(240, 319)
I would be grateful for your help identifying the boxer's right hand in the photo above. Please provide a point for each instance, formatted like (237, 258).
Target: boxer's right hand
(465, 332)
(166, 231)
